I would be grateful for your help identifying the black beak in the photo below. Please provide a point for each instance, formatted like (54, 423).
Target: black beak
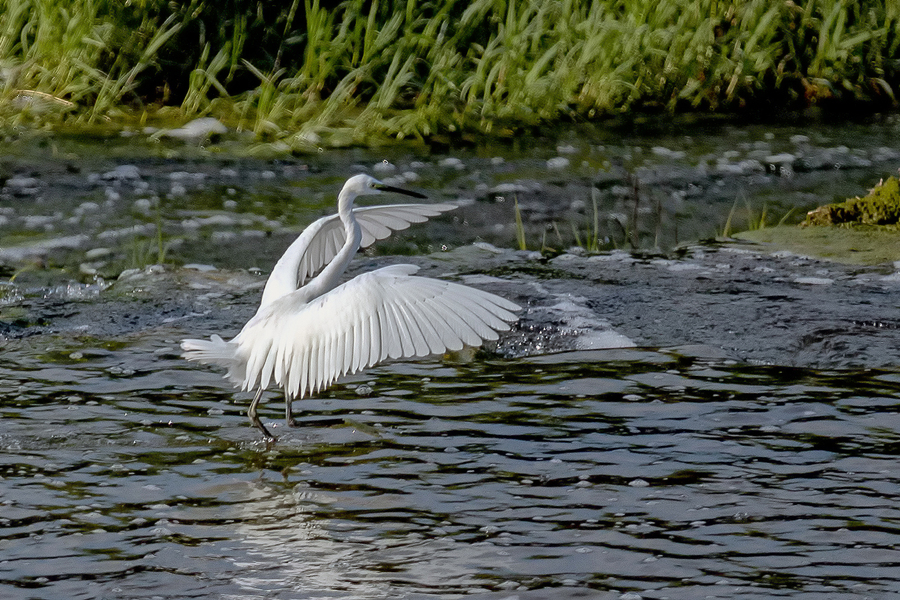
(390, 188)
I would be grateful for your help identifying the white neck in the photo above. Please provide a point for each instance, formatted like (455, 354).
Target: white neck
(329, 277)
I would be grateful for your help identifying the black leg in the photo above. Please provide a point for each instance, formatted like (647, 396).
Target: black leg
(288, 415)
(251, 412)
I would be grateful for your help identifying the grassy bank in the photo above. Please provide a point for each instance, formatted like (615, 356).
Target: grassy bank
(356, 71)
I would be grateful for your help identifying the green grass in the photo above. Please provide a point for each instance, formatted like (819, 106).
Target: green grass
(589, 237)
(752, 220)
(597, 230)
(520, 228)
(150, 250)
(359, 71)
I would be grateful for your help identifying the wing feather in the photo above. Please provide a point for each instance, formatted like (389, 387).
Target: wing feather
(439, 339)
(363, 345)
(325, 366)
(467, 335)
(303, 382)
(348, 347)
(321, 365)
(449, 338)
(285, 362)
(285, 375)
(312, 364)
(332, 359)
(479, 307)
(377, 222)
(390, 333)
(420, 344)
(321, 241)
(256, 361)
(388, 313)
(407, 347)
(337, 354)
(268, 366)
(374, 339)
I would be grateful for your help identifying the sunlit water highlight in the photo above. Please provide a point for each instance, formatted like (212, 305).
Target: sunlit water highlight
(599, 474)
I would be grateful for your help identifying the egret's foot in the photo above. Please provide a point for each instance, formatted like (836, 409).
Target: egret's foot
(254, 418)
(292, 423)
(258, 424)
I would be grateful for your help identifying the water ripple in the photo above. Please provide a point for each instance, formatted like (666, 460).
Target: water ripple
(589, 474)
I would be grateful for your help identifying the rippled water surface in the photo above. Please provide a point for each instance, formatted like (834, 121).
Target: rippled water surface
(599, 474)
(706, 469)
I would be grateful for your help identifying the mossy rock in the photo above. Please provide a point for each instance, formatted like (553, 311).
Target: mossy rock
(880, 207)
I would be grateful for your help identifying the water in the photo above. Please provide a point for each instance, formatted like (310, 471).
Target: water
(747, 448)
(96, 207)
(591, 474)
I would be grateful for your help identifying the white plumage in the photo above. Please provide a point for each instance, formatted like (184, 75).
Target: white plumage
(322, 240)
(303, 337)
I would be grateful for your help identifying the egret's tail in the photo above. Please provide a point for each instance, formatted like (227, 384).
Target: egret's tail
(215, 351)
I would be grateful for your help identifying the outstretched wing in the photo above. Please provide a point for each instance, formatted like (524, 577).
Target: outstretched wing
(388, 313)
(322, 240)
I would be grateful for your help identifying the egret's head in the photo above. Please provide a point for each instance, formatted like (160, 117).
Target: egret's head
(363, 185)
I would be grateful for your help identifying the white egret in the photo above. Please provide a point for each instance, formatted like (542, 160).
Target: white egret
(303, 337)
